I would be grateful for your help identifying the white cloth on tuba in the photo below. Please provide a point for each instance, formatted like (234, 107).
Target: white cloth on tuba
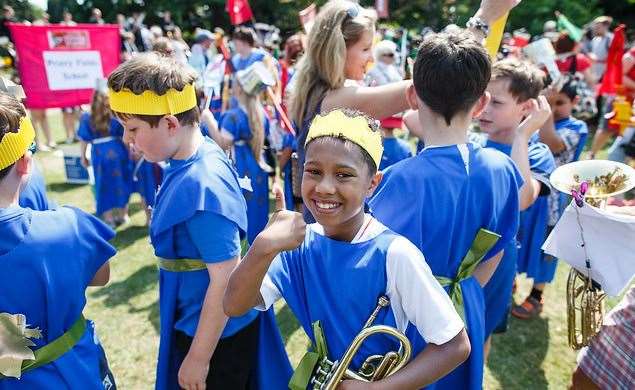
(610, 244)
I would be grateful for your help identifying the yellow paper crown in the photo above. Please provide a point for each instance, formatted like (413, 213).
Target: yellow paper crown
(353, 128)
(149, 103)
(14, 145)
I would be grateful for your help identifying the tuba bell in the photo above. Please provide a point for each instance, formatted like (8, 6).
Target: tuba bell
(329, 374)
(585, 298)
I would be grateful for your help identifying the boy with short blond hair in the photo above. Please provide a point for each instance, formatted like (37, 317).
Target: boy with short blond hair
(515, 113)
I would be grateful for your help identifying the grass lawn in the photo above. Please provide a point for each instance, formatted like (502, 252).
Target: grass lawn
(531, 355)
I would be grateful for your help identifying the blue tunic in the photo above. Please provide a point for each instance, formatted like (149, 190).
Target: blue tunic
(439, 200)
(44, 273)
(203, 186)
(534, 222)
(111, 164)
(33, 195)
(322, 279)
(395, 150)
(289, 141)
(236, 123)
(498, 291)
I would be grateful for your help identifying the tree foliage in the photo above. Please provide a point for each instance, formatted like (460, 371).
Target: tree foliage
(411, 14)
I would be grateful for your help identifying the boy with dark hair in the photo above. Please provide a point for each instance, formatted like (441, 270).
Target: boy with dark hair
(564, 134)
(47, 260)
(331, 273)
(457, 202)
(196, 226)
(514, 114)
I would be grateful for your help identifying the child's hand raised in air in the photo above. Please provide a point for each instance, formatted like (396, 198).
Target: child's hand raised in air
(286, 229)
(537, 115)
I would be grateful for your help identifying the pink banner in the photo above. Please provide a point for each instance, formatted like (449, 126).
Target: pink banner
(59, 65)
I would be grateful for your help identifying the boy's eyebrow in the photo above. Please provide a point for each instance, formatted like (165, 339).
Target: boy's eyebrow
(317, 162)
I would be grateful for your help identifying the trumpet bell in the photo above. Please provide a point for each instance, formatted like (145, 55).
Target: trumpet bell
(605, 178)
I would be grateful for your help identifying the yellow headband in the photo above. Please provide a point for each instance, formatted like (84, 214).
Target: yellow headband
(14, 145)
(149, 103)
(355, 129)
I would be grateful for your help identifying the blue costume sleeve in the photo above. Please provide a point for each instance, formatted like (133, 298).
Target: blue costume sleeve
(93, 236)
(84, 131)
(216, 238)
(509, 218)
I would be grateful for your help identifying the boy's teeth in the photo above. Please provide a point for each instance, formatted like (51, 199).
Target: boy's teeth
(326, 205)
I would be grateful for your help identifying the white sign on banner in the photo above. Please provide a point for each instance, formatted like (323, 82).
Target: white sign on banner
(67, 70)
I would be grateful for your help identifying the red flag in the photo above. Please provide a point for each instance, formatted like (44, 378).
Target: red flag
(381, 6)
(613, 74)
(239, 11)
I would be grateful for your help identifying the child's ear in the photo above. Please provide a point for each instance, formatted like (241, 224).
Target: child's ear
(481, 104)
(23, 165)
(374, 182)
(172, 123)
(575, 100)
(526, 106)
(412, 98)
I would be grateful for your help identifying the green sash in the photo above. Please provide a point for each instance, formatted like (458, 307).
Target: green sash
(56, 348)
(304, 371)
(181, 265)
(484, 241)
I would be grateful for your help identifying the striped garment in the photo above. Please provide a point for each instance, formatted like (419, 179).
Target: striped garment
(610, 358)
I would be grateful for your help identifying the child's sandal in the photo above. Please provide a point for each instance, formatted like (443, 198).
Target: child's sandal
(529, 309)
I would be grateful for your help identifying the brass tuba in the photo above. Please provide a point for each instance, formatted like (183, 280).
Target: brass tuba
(585, 298)
(376, 367)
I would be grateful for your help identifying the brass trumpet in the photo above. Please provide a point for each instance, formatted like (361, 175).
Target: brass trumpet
(376, 367)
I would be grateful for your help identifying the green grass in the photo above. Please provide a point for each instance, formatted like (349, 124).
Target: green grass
(532, 354)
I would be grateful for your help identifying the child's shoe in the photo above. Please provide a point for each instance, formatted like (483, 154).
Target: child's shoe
(529, 309)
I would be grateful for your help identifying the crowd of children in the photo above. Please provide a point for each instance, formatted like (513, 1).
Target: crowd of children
(440, 235)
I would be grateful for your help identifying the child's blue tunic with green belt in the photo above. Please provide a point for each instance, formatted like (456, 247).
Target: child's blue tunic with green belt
(439, 200)
(200, 213)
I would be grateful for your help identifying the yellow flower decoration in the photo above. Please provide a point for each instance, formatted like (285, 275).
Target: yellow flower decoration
(15, 343)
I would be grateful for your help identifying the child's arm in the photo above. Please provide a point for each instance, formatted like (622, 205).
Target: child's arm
(550, 137)
(285, 231)
(416, 297)
(430, 365)
(83, 146)
(222, 139)
(102, 276)
(548, 134)
(537, 115)
(195, 366)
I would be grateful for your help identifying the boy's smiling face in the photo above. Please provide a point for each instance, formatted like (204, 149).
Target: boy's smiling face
(504, 112)
(335, 184)
(155, 143)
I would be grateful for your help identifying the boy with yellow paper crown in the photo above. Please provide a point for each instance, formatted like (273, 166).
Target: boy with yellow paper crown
(196, 226)
(331, 273)
(47, 260)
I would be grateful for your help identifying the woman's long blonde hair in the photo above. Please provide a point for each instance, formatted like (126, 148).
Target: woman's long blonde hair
(100, 114)
(255, 116)
(322, 66)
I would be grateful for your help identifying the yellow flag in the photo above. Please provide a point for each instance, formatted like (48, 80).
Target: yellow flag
(493, 40)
